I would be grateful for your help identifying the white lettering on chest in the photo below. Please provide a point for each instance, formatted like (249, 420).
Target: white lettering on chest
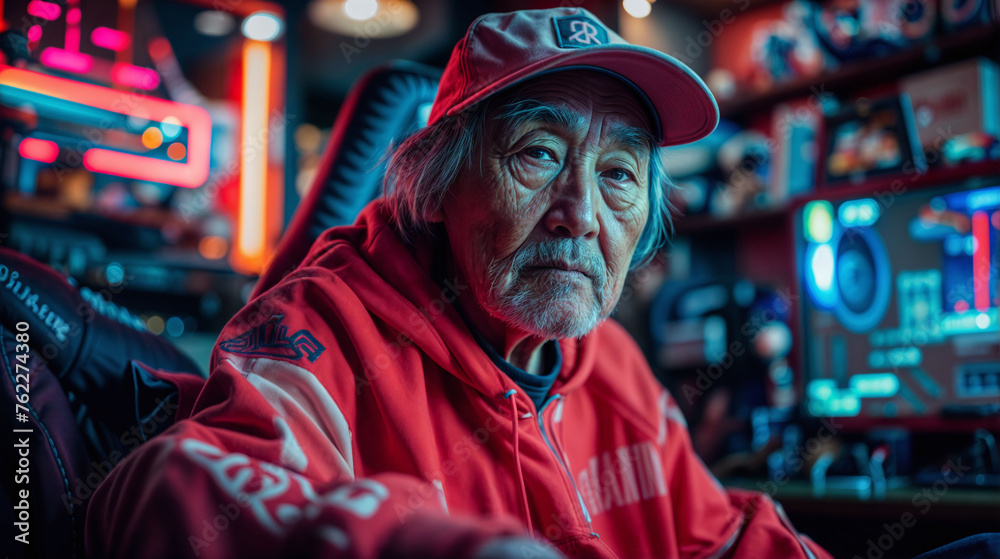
(627, 475)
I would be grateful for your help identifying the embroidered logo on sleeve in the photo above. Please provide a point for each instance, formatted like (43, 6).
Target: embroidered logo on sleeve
(271, 339)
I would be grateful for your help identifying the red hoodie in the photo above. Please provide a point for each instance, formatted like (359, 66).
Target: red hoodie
(351, 413)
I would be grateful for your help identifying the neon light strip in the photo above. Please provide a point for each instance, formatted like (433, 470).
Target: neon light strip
(126, 24)
(981, 260)
(67, 60)
(111, 39)
(253, 149)
(38, 150)
(192, 174)
(134, 76)
(44, 10)
(73, 17)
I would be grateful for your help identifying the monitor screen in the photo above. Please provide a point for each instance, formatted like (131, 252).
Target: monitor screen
(899, 317)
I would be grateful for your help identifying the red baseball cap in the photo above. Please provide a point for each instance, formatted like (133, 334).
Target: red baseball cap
(500, 50)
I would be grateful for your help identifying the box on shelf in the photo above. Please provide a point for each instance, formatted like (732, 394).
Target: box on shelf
(872, 138)
(954, 100)
(795, 128)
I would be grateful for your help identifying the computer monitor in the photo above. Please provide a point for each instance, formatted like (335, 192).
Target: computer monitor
(899, 314)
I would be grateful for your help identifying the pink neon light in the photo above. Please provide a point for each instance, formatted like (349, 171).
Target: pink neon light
(34, 33)
(38, 150)
(191, 174)
(70, 61)
(44, 10)
(135, 76)
(961, 306)
(111, 39)
(73, 29)
(981, 260)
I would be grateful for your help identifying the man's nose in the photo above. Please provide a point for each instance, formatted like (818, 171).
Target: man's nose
(573, 211)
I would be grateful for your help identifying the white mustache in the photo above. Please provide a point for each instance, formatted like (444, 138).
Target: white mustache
(569, 254)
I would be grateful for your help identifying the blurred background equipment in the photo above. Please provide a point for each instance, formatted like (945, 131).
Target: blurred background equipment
(142, 146)
(851, 184)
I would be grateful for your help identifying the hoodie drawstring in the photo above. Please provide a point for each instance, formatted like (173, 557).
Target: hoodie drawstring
(517, 461)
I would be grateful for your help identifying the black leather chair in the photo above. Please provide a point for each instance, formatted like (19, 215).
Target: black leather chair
(387, 104)
(76, 383)
(99, 383)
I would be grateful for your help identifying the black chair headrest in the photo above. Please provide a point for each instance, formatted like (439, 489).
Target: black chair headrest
(387, 104)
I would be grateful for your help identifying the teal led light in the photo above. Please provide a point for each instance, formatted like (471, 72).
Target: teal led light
(845, 404)
(895, 357)
(825, 399)
(820, 273)
(822, 388)
(171, 128)
(875, 385)
(984, 198)
(968, 323)
(858, 213)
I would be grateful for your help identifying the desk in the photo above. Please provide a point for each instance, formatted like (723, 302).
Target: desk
(850, 527)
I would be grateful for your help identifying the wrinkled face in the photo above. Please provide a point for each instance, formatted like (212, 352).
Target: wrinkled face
(544, 228)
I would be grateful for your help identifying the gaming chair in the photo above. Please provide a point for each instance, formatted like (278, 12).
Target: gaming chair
(100, 384)
(386, 105)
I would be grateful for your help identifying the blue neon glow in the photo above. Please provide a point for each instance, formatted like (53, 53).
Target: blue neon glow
(895, 357)
(967, 323)
(114, 273)
(859, 213)
(822, 388)
(984, 198)
(825, 399)
(171, 129)
(881, 275)
(844, 404)
(822, 266)
(876, 385)
(953, 245)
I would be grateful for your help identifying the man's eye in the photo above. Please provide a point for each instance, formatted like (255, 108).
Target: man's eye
(618, 174)
(539, 153)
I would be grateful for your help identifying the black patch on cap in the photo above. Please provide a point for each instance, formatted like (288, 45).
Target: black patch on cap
(579, 32)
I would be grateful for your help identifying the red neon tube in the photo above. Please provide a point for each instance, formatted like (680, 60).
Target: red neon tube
(981, 260)
(38, 150)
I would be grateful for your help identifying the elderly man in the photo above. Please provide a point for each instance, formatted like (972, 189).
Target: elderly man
(439, 379)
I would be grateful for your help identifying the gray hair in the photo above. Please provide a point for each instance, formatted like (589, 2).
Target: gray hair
(425, 165)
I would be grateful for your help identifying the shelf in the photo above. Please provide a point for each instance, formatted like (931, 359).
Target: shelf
(882, 188)
(898, 184)
(863, 73)
(936, 423)
(684, 225)
(797, 496)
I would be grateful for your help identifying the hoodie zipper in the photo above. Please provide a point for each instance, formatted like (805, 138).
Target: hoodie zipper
(545, 436)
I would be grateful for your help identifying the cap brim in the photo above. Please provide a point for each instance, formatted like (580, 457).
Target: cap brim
(681, 101)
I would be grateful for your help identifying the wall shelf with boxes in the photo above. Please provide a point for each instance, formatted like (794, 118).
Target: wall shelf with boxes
(886, 186)
(936, 52)
(918, 111)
